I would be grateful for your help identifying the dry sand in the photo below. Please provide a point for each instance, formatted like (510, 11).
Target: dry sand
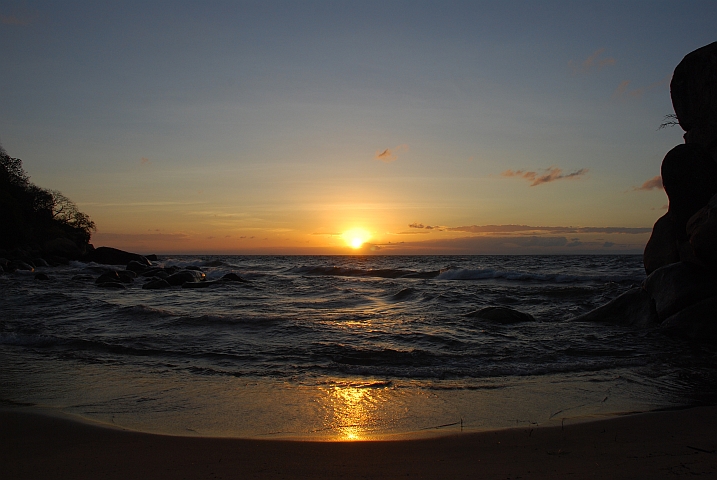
(670, 444)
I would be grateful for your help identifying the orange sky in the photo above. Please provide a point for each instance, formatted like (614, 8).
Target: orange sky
(273, 127)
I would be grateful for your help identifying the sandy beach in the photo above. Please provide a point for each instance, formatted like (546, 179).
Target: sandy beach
(668, 444)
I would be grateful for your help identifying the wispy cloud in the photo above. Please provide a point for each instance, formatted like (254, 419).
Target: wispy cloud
(12, 20)
(594, 62)
(503, 229)
(390, 154)
(654, 183)
(19, 17)
(510, 245)
(427, 227)
(549, 174)
(531, 229)
(623, 90)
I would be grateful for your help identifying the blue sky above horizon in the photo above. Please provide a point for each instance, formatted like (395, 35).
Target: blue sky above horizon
(276, 127)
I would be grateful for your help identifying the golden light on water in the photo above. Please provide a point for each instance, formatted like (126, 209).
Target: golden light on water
(354, 412)
(356, 237)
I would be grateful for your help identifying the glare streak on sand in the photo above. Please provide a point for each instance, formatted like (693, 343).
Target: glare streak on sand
(353, 412)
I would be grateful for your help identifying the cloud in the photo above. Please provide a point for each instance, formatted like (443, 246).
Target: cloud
(652, 184)
(593, 62)
(12, 20)
(529, 244)
(608, 244)
(503, 229)
(427, 227)
(20, 17)
(390, 154)
(550, 174)
(622, 90)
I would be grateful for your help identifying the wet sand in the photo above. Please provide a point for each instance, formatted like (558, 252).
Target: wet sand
(670, 444)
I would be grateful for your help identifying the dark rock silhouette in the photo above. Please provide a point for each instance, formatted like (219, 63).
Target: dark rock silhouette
(677, 286)
(680, 291)
(694, 97)
(114, 256)
(634, 307)
(233, 277)
(689, 177)
(156, 284)
(702, 233)
(207, 284)
(185, 276)
(137, 267)
(502, 315)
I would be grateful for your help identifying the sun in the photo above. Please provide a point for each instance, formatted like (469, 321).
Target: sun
(356, 237)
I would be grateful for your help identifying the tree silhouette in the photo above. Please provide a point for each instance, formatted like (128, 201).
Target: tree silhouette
(31, 215)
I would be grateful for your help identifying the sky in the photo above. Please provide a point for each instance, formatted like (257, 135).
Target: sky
(339, 127)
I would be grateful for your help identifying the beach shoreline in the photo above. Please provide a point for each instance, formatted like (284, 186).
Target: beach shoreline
(664, 444)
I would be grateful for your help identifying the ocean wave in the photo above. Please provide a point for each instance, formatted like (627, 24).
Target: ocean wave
(518, 276)
(359, 272)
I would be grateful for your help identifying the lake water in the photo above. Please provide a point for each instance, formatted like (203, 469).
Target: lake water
(341, 347)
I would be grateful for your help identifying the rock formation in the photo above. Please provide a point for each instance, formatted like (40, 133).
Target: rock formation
(680, 292)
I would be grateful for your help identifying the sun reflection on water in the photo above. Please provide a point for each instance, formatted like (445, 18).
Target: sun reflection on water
(353, 411)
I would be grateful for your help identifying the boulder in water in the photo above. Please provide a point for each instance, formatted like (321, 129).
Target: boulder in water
(39, 262)
(233, 277)
(156, 284)
(677, 286)
(213, 283)
(503, 315)
(114, 256)
(136, 267)
(696, 322)
(20, 265)
(154, 272)
(634, 307)
(184, 276)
